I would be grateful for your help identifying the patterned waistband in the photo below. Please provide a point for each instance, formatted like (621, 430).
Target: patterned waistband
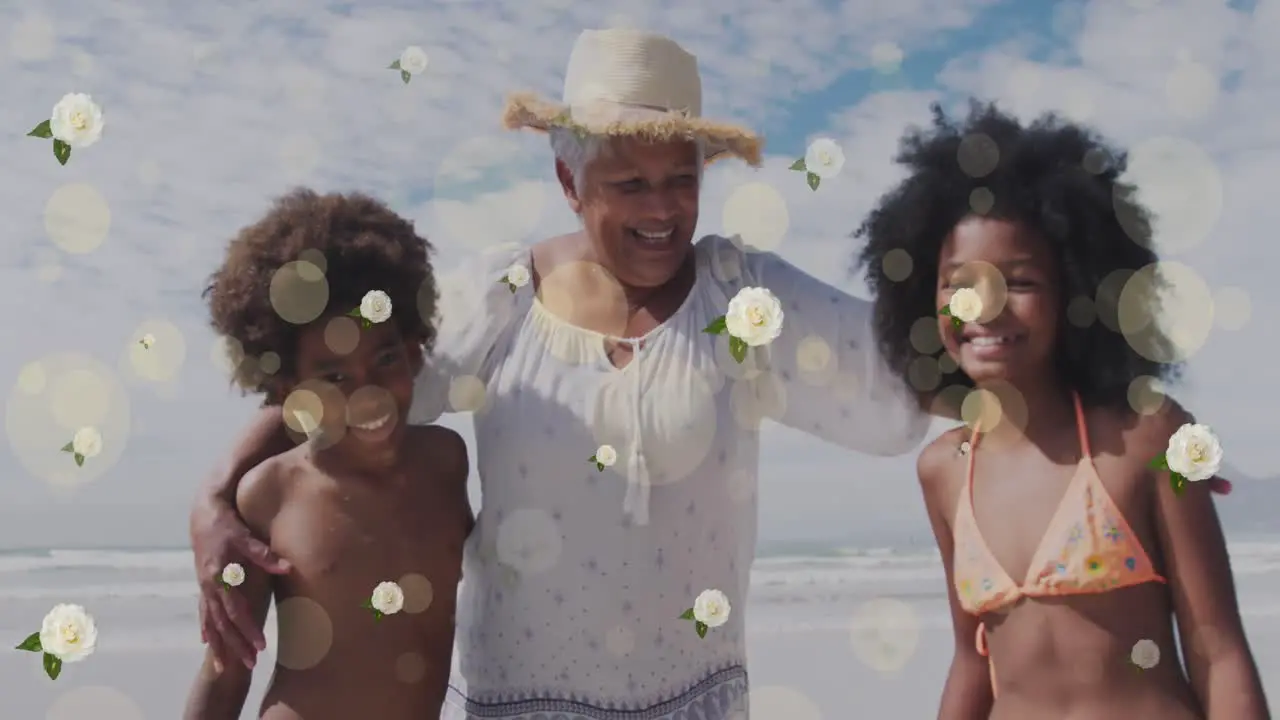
(716, 697)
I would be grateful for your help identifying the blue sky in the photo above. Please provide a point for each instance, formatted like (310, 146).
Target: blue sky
(213, 110)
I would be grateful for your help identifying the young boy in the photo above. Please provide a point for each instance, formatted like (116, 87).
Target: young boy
(364, 499)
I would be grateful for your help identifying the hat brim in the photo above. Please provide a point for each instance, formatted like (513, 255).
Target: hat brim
(527, 111)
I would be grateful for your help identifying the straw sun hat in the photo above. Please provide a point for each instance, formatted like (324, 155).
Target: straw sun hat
(629, 82)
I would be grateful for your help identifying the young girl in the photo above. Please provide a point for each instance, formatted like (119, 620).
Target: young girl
(1066, 556)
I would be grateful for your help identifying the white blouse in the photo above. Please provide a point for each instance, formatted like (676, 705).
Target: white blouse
(575, 578)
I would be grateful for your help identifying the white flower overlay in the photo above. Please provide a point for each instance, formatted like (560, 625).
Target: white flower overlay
(375, 307)
(147, 341)
(517, 277)
(605, 457)
(67, 634)
(233, 575)
(76, 120)
(710, 610)
(87, 442)
(965, 305)
(1145, 654)
(413, 60)
(754, 316)
(824, 158)
(965, 447)
(1194, 452)
(387, 599)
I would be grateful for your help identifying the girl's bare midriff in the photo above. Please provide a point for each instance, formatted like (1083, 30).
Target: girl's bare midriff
(1070, 657)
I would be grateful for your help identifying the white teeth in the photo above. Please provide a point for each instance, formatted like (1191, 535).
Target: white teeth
(986, 341)
(653, 238)
(373, 425)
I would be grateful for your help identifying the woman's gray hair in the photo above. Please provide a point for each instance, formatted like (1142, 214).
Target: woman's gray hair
(576, 150)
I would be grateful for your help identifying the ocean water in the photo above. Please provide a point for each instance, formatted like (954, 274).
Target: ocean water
(813, 645)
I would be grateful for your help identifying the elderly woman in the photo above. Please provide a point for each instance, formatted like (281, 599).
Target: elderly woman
(617, 440)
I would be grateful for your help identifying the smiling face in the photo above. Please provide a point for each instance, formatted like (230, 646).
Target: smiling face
(375, 377)
(639, 205)
(1016, 344)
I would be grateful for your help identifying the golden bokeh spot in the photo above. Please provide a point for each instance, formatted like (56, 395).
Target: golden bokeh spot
(312, 256)
(342, 334)
(1232, 308)
(1179, 184)
(741, 485)
(923, 373)
(156, 351)
(1185, 305)
(1107, 301)
(32, 38)
(269, 363)
(748, 405)
(227, 355)
(620, 640)
(780, 701)
(77, 218)
(897, 264)
(885, 634)
(925, 337)
(411, 668)
(982, 410)
(814, 359)
(1096, 161)
(680, 438)
(584, 295)
(467, 393)
(978, 155)
(94, 701)
(846, 387)
(758, 214)
(302, 411)
(529, 541)
(989, 283)
(1146, 395)
(1081, 311)
(49, 272)
(1190, 88)
(295, 298)
(418, 593)
(949, 401)
(981, 200)
(56, 396)
(32, 378)
(947, 364)
(370, 402)
(304, 632)
(886, 57)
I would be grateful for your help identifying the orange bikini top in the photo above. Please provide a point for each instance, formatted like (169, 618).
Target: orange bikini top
(1088, 547)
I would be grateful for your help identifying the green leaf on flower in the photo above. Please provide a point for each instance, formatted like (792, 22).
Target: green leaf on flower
(1178, 482)
(404, 75)
(686, 615)
(69, 447)
(31, 644)
(814, 181)
(717, 326)
(1159, 462)
(738, 349)
(945, 311)
(52, 666)
(377, 616)
(701, 627)
(368, 604)
(41, 131)
(394, 66)
(956, 322)
(600, 466)
(61, 151)
(79, 460)
(592, 459)
(799, 165)
(512, 287)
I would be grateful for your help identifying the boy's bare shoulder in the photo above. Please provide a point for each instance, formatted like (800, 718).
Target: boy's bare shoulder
(263, 489)
(440, 448)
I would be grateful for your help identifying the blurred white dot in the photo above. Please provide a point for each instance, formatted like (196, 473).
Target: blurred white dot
(886, 56)
(94, 701)
(529, 541)
(32, 378)
(1180, 185)
(1190, 88)
(1232, 308)
(978, 155)
(148, 172)
(77, 218)
(779, 701)
(466, 393)
(885, 634)
(82, 64)
(202, 51)
(162, 360)
(32, 38)
(1024, 82)
(49, 272)
(304, 633)
(758, 214)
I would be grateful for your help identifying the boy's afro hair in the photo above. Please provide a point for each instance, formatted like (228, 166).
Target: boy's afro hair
(1059, 179)
(362, 245)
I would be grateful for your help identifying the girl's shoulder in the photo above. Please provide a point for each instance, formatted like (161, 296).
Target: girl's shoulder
(941, 466)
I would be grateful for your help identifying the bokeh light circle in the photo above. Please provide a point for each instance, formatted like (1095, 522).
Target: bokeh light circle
(756, 213)
(299, 292)
(77, 218)
(99, 702)
(885, 634)
(1179, 183)
(897, 264)
(156, 351)
(304, 633)
(529, 541)
(978, 155)
(1147, 395)
(1165, 311)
